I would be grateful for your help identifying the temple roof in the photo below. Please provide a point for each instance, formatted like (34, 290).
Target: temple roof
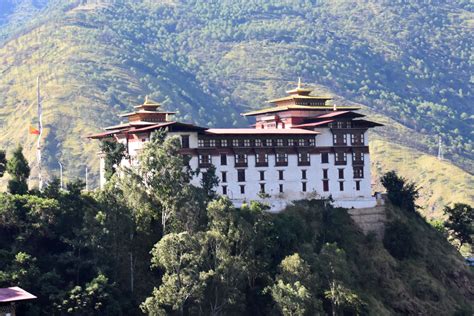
(259, 131)
(297, 107)
(145, 112)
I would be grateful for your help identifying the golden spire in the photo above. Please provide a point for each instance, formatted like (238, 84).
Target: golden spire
(146, 99)
(299, 82)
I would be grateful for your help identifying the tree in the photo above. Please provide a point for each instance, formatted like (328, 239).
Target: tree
(18, 169)
(3, 163)
(400, 192)
(180, 257)
(209, 182)
(334, 270)
(114, 153)
(292, 288)
(161, 177)
(460, 222)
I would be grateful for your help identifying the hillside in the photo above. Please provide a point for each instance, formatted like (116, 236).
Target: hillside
(407, 62)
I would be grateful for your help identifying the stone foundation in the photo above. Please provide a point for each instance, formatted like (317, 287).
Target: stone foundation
(370, 219)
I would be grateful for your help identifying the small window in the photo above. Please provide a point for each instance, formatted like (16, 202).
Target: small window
(280, 175)
(241, 159)
(325, 185)
(200, 143)
(341, 158)
(303, 159)
(224, 176)
(358, 157)
(303, 186)
(281, 188)
(262, 175)
(357, 185)
(325, 174)
(341, 185)
(311, 142)
(281, 159)
(280, 142)
(340, 139)
(204, 159)
(235, 142)
(242, 189)
(261, 159)
(301, 142)
(341, 173)
(241, 175)
(223, 142)
(324, 157)
(185, 141)
(358, 172)
(303, 174)
(357, 138)
(224, 190)
(268, 142)
(291, 142)
(212, 143)
(258, 143)
(223, 160)
(262, 187)
(246, 142)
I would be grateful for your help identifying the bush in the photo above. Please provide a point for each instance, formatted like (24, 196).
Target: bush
(399, 240)
(400, 192)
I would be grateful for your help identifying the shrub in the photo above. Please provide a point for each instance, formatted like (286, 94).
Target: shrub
(399, 240)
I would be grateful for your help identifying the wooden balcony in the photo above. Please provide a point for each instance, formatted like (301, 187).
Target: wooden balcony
(357, 162)
(204, 164)
(304, 163)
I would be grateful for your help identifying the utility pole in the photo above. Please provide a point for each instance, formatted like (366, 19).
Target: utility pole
(440, 148)
(87, 178)
(40, 128)
(60, 174)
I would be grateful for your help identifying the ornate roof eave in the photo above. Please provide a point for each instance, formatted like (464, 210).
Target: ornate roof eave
(299, 107)
(302, 97)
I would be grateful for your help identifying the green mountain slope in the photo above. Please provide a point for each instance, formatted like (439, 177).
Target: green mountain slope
(407, 62)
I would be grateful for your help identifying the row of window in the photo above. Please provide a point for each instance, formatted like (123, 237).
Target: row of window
(358, 173)
(281, 159)
(341, 139)
(304, 187)
(280, 142)
(340, 124)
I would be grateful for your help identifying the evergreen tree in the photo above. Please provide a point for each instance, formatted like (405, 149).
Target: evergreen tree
(400, 192)
(460, 222)
(114, 153)
(18, 169)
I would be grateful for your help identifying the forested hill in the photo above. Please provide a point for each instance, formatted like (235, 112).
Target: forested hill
(407, 61)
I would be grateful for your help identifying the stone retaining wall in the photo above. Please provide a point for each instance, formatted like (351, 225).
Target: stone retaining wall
(370, 219)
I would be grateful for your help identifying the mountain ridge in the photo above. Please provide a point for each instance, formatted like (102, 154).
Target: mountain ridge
(211, 62)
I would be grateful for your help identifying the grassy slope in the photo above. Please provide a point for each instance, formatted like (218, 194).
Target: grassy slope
(441, 183)
(434, 280)
(97, 61)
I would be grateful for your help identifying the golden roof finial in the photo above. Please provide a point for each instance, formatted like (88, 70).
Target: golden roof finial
(299, 82)
(146, 99)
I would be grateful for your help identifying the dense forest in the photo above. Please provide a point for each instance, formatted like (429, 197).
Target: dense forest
(152, 243)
